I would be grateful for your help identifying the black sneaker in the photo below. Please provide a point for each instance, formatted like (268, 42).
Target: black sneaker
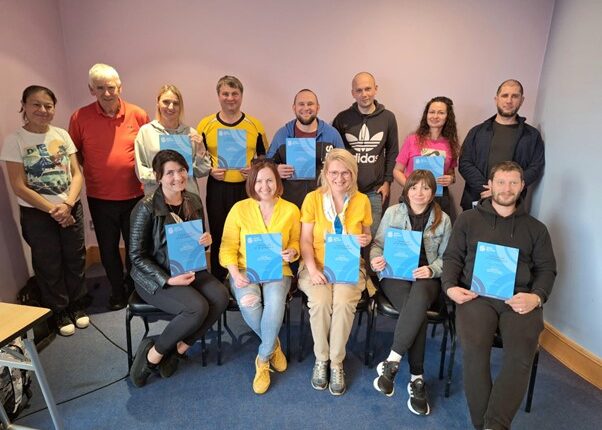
(418, 403)
(385, 383)
(141, 368)
(64, 325)
(117, 302)
(169, 363)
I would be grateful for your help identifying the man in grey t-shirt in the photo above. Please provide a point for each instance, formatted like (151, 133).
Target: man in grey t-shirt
(503, 137)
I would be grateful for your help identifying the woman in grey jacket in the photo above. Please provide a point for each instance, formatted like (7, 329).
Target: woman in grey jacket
(417, 212)
(196, 299)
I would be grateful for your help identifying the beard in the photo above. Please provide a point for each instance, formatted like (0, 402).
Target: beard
(307, 121)
(507, 201)
(507, 114)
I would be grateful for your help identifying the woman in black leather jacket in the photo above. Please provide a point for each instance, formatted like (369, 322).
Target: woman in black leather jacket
(196, 299)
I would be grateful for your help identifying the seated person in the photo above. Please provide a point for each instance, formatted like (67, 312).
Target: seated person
(263, 212)
(196, 299)
(336, 207)
(418, 212)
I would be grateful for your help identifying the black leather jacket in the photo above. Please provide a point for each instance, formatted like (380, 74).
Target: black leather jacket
(148, 246)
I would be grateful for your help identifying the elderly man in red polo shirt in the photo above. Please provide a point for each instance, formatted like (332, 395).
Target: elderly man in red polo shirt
(104, 133)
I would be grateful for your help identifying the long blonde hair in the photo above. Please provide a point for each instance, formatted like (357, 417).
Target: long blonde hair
(169, 87)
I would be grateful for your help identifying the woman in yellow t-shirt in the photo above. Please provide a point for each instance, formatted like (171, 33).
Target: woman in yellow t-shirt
(336, 207)
(263, 212)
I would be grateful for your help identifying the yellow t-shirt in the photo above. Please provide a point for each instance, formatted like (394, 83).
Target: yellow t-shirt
(257, 140)
(245, 218)
(357, 215)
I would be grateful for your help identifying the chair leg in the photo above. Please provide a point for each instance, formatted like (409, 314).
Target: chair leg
(146, 327)
(301, 332)
(433, 332)
(287, 316)
(372, 346)
(219, 340)
(128, 336)
(443, 350)
(532, 381)
(452, 354)
(367, 358)
(203, 352)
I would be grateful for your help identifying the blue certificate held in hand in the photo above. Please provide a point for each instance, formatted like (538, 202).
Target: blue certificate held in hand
(179, 143)
(401, 253)
(301, 154)
(494, 273)
(342, 259)
(433, 164)
(183, 248)
(264, 257)
(231, 148)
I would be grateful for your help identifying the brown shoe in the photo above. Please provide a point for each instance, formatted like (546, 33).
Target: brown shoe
(278, 359)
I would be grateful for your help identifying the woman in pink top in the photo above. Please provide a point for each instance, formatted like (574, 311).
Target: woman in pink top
(435, 136)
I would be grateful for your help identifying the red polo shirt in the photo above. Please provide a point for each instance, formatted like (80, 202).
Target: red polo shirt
(106, 145)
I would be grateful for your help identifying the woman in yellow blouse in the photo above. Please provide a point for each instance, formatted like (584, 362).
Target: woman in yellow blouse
(336, 207)
(263, 212)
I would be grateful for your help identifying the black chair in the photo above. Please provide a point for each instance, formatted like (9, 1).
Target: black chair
(437, 314)
(233, 307)
(498, 343)
(365, 305)
(139, 308)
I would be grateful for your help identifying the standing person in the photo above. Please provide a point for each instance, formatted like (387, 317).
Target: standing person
(369, 132)
(44, 174)
(263, 212)
(436, 135)
(503, 137)
(418, 211)
(226, 187)
(502, 220)
(196, 299)
(169, 117)
(104, 133)
(336, 207)
(306, 124)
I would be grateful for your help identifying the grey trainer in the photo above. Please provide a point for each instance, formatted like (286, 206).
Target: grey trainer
(337, 381)
(319, 376)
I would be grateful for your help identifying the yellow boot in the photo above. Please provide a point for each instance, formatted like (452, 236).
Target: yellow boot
(261, 382)
(278, 359)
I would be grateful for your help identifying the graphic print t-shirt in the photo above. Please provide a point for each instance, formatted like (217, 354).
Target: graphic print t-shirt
(45, 159)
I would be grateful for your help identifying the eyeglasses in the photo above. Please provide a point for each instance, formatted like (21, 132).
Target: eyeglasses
(333, 174)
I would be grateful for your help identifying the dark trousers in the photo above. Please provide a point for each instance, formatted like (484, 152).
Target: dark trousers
(412, 300)
(196, 308)
(111, 220)
(494, 404)
(221, 196)
(58, 257)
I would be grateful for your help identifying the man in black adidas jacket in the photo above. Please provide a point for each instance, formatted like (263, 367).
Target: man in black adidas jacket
(369, 132)
(501, 220)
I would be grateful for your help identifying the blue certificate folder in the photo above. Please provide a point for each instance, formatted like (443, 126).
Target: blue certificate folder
(342, 259)
(179, 143)
(432, 164)
(231, 148)
(402, 253)
(494, 271)
(301, 154)
(264, 257)
(183, 248)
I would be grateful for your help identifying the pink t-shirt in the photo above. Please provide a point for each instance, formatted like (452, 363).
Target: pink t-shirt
(411, 149)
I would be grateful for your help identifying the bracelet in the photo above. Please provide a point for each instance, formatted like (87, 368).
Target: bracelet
(68, 205)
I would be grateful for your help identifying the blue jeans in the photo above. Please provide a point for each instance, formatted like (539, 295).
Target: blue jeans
(265, 318)
(376, 204)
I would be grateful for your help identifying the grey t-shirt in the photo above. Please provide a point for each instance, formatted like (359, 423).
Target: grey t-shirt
(502, 144)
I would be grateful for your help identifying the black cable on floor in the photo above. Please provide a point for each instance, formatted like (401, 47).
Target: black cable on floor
(87, 392)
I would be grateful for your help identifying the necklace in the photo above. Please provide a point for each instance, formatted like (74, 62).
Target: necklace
(177, 210)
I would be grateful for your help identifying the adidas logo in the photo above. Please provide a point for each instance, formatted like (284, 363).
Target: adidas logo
(363, 142)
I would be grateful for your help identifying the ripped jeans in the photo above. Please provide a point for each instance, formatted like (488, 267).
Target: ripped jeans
(265, 318)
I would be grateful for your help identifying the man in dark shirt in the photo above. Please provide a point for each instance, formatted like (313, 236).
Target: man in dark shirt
(503, 137)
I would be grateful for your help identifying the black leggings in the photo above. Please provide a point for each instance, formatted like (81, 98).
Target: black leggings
(196, 308)
(412, 300)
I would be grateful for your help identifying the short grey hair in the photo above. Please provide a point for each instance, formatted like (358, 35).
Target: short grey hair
(103, 71)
